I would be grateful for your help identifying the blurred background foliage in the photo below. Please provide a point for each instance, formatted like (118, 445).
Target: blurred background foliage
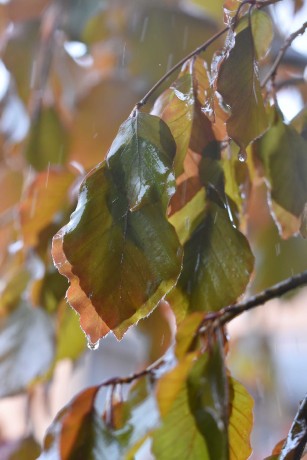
(70, 72)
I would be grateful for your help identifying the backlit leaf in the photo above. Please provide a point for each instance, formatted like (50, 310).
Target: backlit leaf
(242, 91)
(186, 333)
(77, 431)
(283, 153)
(26, 337)
(45, 196)
(262, 30)
(208, 400)
(176, 107)
(240, 421)
(118, 251)
(178, 437)
(217, 262)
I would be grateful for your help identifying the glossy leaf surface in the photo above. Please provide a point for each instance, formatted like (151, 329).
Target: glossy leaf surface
(242, 91)
(283, 153)
(118, 251)
(217, 262)
(178, 436)
(208, 400)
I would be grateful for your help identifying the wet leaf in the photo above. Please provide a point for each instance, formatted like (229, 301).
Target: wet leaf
(118, 251)
(240, 421)
(44, 198)
(217, 262)
(77, 431)
(208, 400)
(47, 142)
(178, 436)
(242, 92)
(26, 337)
(176, 107)
(282, 152)
(262, 31)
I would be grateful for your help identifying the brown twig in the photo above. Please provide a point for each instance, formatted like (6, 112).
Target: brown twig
(272, 72)
(255, 3)
(227, 314)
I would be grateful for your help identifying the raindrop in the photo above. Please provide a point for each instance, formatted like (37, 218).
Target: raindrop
(242, 156)
(92, 345)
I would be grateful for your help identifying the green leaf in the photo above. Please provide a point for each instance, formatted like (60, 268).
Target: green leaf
(186, 334)
(178, 437)
(283, 153)
(47, 142)
(240, 421)
(208, 400)
(299, 123)
(176, 107)
(26, 334)
(119, 252)
(217, 262)
(262, 31)
(239, 85)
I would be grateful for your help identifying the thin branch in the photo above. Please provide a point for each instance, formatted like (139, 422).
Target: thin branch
(272, 73)
(294, 81)
(256, 3)
(150, 370)
(198, 50)
(227, 314)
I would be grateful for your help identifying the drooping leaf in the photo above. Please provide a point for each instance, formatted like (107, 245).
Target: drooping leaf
(186, 334)
(262, 31)
(242, 92)
(283, 155)
(217, 262)
(77, 431)
(178, 436)
(45, 196)
(119, 253)
(208, 400)
(176, 107)
(299, 123)
(47, 143)
(240, 421)
(26, 337)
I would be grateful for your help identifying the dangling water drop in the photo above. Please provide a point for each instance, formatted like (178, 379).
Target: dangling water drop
(242, 156)
(92, 345)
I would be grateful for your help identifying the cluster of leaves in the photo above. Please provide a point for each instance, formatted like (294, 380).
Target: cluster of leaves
(163, 218)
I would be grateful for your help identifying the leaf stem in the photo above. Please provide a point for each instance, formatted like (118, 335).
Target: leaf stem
(273, 71)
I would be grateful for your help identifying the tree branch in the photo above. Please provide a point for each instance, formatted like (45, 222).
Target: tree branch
(272, 72)
(257, 3)
(227, 314)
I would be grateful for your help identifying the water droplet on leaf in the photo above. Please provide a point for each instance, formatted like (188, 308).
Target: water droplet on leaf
(92, 345)
(242, 156)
